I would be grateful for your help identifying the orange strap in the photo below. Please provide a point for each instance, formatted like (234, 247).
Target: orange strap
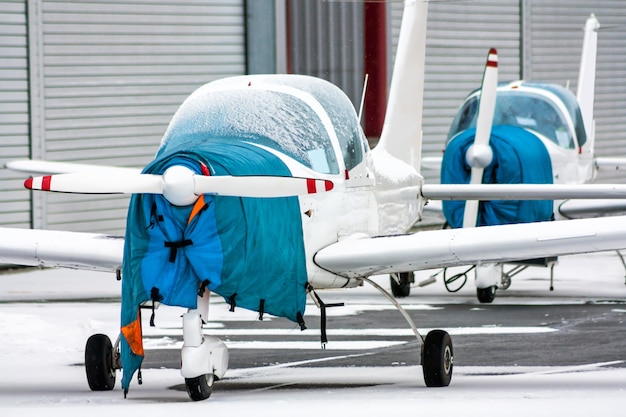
(197, 208)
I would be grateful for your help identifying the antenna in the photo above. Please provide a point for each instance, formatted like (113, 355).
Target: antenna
(363, 96)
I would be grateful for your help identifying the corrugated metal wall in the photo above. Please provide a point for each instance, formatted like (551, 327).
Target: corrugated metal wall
(111, 75)
(537, 40)
(14, 121)
(552, 53)
(327, 42)
(98, 82)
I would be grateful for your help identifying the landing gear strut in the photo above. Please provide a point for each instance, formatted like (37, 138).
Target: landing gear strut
(437, 356)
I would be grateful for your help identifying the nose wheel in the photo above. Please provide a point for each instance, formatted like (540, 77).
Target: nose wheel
(200, 388)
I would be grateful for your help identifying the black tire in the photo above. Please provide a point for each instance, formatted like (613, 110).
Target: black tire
(437, 359)
(99, 363)
(199, 388)
(403, 288)
(486, 295)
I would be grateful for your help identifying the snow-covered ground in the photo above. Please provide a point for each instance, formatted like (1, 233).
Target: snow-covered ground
(42, 347)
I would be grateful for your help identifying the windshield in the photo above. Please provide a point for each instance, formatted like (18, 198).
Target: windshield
(523, 109)
(277, 120)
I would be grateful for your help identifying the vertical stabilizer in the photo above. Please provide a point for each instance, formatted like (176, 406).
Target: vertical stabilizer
(402, 130)
(587, 77)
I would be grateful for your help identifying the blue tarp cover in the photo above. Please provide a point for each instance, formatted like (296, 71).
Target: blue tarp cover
(519, 157)
(250, 250)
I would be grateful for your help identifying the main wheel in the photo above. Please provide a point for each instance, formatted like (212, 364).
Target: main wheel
(438, 359)
(403, 288)
(486, 295)
(99, 363)
(200, 387)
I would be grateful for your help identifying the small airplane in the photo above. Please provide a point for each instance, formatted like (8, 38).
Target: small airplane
(264, 189)
(534, 133)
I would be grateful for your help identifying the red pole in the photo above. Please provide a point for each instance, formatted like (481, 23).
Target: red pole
(375, 65)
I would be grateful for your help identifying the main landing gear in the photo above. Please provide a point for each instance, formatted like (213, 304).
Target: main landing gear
(401, 284)
(101, 362)
(437, 355)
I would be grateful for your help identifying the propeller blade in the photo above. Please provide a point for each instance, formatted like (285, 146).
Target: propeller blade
(179, 185)
(260, 186)
(479, 155)
(97, 183)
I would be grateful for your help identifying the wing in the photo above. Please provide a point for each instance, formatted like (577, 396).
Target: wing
(35, 166)
(452, 247)
(61, 249)
(522, 191)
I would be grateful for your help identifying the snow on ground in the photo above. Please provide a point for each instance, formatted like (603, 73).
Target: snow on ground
(42, 345)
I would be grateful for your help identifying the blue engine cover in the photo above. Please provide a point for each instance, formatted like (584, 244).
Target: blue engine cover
(519, 157)
(248, 250)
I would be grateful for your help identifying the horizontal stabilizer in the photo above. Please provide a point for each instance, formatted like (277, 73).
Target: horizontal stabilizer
(576, 209)
(610, 163)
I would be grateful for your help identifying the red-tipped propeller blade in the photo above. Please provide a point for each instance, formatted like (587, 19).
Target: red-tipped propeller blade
(260, 186)
(479, 155)
(179, 185)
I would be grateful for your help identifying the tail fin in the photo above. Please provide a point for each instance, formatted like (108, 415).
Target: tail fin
(587, 78)
(402, 130)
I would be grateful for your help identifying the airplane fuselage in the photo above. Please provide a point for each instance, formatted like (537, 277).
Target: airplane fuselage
(551, 114)
(312, 128)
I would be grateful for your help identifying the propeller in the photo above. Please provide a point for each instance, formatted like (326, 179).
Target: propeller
(479, 155)
(179, 185)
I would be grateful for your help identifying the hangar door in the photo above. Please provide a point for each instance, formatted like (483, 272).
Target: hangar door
(106, 78)
(14, 121)
(536, 40)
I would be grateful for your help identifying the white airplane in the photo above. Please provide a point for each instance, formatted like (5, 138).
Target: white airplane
(534, 133)
(201, 218)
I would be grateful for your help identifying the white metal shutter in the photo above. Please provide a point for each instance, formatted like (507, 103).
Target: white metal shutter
(554, 44)
(14, 122)
(536, 40)
(327, 42)
(113, 74)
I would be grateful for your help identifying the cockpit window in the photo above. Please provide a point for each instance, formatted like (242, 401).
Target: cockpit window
(342, 115)
(523, 109)
(274, 119)
(348, 134)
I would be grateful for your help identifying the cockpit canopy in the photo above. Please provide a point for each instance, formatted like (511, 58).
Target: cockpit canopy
(302, 117)
(547, 109)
